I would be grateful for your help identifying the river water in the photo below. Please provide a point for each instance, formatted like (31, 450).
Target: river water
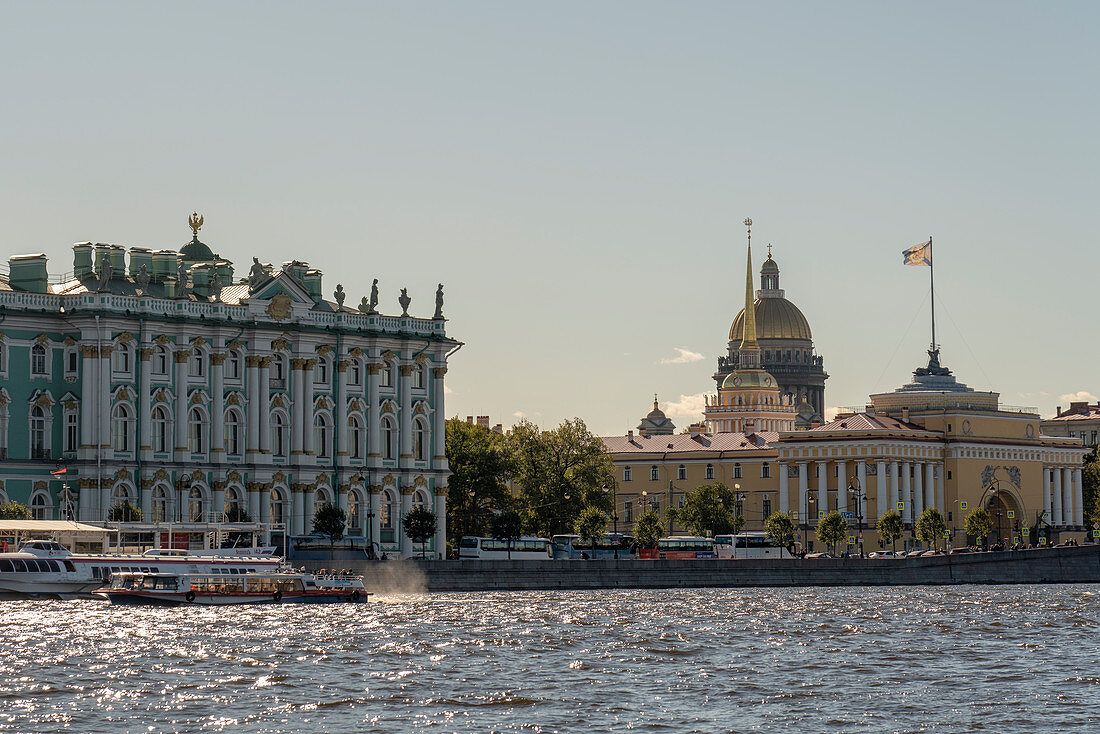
(1003, 659)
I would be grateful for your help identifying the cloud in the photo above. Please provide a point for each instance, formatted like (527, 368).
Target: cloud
(688, 406)
(447, 390)
(686, 357)
(1077, 397)
(830, 413)
(519, 414)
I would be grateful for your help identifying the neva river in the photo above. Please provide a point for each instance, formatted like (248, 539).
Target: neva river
(999, 659)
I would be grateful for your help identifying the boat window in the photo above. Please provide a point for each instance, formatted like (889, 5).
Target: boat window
(19, 565)
(144, 569)
(69, 566)
(154, 569)
(55, 566)
(6, 566)
(116, 569)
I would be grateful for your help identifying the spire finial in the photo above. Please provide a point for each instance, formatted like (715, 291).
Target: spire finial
(195, 221)
(769, 251)
(655, 401)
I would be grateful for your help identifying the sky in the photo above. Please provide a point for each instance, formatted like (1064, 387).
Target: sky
(576, 175)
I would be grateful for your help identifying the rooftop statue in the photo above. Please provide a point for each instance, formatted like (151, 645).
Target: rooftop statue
(339, 295)
(142, 279)
(104, 273)
(256, 274)
(404, 300)
(216, 286)
(372, 307)
(439, 302)
(181, 281)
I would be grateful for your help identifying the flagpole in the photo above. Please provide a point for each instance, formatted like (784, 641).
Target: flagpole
(932, 282)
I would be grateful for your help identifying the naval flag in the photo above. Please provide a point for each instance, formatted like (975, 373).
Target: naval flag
(918, 254)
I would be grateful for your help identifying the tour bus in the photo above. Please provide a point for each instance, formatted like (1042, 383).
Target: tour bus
(747, 545)
(527, 548)
(681, 546)
(571, 547)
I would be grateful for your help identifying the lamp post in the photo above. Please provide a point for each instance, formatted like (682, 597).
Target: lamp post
(811, 502)
(614, 518)
(856, 493)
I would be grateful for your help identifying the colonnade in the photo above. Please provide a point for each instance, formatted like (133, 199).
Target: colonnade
(1063, 499)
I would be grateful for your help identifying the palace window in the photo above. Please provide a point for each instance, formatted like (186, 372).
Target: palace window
(654, 473)
(420, 440)
(38, 360)
(277, 504)
(161, 429)
(72, 432)
(355, 373)
(39, 448)
(389, 438)
(628, 512)
(196, 365)
(234, 427)
(681, 472)
(355, 513)
(322, 435)
(418, 377)
(765, 470)
(161, 361)
(386, 514)
(196, 431)
(355, 436)
(710, 471)
(40, 506)
(122, 428)
(626, 474)
(196, 505)
(71, 362)
(233, 365)
(385, 379)
(320, 371)
(120, 359)
(278, 371)
(766, 507)
(736, 471)
(279, 434)
(160, 505)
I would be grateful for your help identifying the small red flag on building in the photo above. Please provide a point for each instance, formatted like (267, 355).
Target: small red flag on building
(60, 471)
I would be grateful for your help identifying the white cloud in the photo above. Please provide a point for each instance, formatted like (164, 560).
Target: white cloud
(1077, 397)
(686, 357)
(830, 413)
(447, 390)
(688, 406)
(519, 414)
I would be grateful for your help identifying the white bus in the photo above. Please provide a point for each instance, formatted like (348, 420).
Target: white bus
(747, 545)
(527, 548)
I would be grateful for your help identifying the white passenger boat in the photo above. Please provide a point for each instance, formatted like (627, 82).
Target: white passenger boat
(47, 568)
(207, 589)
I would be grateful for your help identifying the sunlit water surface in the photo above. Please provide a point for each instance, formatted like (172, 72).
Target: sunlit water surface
(1002, 659)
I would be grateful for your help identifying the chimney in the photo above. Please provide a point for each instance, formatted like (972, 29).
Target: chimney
(82, 259)
(28, 273)
(140, 256)
(905, 414)
(165, 265)
(118, 261)
(483, 420)
(630, 435)
(470, 419)
(200, 279)
(1059, 413)
(498, 429)
(311, 279)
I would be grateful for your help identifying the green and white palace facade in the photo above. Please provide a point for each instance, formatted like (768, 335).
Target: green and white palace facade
(157, 377)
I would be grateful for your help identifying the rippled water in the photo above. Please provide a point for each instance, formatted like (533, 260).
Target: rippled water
(1004, 659)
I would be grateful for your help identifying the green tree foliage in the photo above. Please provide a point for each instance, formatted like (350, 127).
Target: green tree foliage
(558, 473)
(737, 524)
(978, 524)
(832, 529)
(124, 512)
(12, 510)
(506, 527)
(477, 487)
(780, 529)
(890, 527)
(931, 526)
(419, 525)
(648, 529)
(708, 507)
(329, 520)
(590, 524)
(236, 513)
(1090, 488)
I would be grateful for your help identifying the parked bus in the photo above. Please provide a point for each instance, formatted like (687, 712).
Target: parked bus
(681, 546)
(747, 545)
(527, 548)
(571, 547)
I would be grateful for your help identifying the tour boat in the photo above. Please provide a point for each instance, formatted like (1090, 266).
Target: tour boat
(47, 568)
(208, 589)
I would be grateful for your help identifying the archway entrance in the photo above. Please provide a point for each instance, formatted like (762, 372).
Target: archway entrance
(1004, 514)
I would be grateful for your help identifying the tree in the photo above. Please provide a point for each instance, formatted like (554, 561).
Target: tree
(931, 526)
(123, 511)
(590, 525)
(329, 520)
(419, 525)
(1090, 488)
(12, 510)
(737, 524)
(558, 473)
(780, 529)
(978, 524)
(477, 488)
(507, 527)
(648, 529)
(708, 508)
(236, 513)
(890, 528)
(832, 529)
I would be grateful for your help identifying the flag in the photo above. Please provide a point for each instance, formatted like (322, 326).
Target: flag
(918, 254)
(60, 471)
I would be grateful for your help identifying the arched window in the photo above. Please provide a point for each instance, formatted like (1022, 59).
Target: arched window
(122, 428)
(161, 429)
(385, 379)
(234, 509)
(160, 505)
(320, 497)
(420, 440)
(387, 512)
(278, 507)
(322, 435)
(389, 438)
(161, 360)
(234, 429)
(38, 359)
(196, 431)
(40, 506)
(233, 365)
(279, 434)
(355, 373)
(121, 494)
(356, 435)
(120, 358)
(196, 505)
(418, 377)
(196, 365)
(278, 370)
(420, 499)
(355, 512)
(320, 371)
(38, 432)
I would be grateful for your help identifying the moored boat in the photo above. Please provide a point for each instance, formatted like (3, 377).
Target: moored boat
(225, 589)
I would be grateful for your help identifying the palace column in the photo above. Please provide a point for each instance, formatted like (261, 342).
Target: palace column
(297, 511)
(784, 497)
(842, 486)
(86, 499)
(822, 469)
(105, 391)
(145, 406)
(439, 421)
(297, 398)
(263, 410)
(1078, 499)
(930, 487)
(406, 458)
(255, 501)
(181, 453)
(406, 507)
(861, 479)
(1056, 495)
(342, 500)
(1067, 496)
(217, 407)
(899, 491)
(1048, 510)
(374, 512)
(263, 491)
(441, 517)
(882, 491)
(308, 449)
(342, 411)
(918, 490)
(89, 397)
(803, 493)
(217, 509)
(252, 437)
(374, 446)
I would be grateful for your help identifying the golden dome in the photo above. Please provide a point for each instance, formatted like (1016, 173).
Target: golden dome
(776, 318)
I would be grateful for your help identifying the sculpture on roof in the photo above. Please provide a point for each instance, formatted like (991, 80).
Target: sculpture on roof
(181, 281)
(373, 307)
(339, 295)
(439, 302)
(141, 280)
(404, 300)
(216, 286)
(256, 274)
(104, 274)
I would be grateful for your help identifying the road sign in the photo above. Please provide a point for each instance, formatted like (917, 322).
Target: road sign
(848, 515)
(901, 505)
(962, 505)
(851, 540)
(1096, 533)
(820, 514)
(1025, 529)
(1011, 514)
(1042, 541)
(947, 533)
(1015, 538)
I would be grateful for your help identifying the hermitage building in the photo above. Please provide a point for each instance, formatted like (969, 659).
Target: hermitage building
(159, 378)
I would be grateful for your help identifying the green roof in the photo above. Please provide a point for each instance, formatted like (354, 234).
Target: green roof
(195, 251)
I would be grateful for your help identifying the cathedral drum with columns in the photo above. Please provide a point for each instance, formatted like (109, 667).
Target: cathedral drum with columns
(155, 377)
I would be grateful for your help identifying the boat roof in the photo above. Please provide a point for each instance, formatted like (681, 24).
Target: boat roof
(49, 526)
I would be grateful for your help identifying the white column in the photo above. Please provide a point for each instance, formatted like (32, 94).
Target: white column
(441, 518)
(803, 494)
(297, 499)
(882, 493)
(217, 507)
(941, 483)
(181, 357)
(930, 487)
(861, 477)
(439, 423)
(255, 501)
(342, 500)
(342, 410)
(406, 507)
(1067, 496)
(1047, 506)
(252, 376)
(374, 445)
(104, 500)
(307, 408)
(87, 503)
(105, 391)
(217, 407)
(405, 390)
(297, 398)
(1056, 495)
(842, 486)
(784, 490)
(1078, 499)
(823, 486)
(374, 509)
(145, 404)
(146, 496)
(918, 490)
(263, 410)
(89, 395)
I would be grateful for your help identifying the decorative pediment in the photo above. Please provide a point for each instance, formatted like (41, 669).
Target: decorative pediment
(40, 487)
(235, 344)
(163, 340)
(388, 479)
(122, 393)
(278, 401)
(198, 341)
(42, 339)
(161, 475)
(234, 398)
(162, 396)
(324, 349)
(355, 404)
(125, 337)
(279, 477)
(282, 293)
(199, 397)
(122, 473)
(41, 398)
(420, 481)
(356, 352)
(281, 344)
(421, 408)
(423, 359)
(234, 476)
(389, 406)
(388, 355)
(322, 403)
(4, 397)
(69, 341)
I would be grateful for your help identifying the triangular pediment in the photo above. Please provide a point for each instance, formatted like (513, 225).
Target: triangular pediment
(282, 283)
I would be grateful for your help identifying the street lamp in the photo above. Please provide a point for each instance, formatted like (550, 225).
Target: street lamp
(614, 518)
(857, 494)
(811, 500)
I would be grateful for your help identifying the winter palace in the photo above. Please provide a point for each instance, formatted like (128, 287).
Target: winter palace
(158, 378)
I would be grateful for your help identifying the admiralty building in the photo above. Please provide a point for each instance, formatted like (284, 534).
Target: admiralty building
(164, 379)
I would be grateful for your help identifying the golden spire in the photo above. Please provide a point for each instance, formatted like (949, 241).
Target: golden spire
(748, 335)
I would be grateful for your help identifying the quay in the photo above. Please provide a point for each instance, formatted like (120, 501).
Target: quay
(1072, 565)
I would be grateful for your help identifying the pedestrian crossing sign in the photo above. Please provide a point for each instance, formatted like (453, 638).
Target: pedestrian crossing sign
(1025, 529)
(1042, 541)
(820, 514)
(947, 533)
(1011, 514)
(851, 540)
(962, 505)
(901, 505)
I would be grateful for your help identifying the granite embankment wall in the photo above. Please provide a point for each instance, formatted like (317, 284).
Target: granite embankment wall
(1053, 565)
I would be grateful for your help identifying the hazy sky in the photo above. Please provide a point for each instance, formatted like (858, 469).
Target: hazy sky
(576, 175)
